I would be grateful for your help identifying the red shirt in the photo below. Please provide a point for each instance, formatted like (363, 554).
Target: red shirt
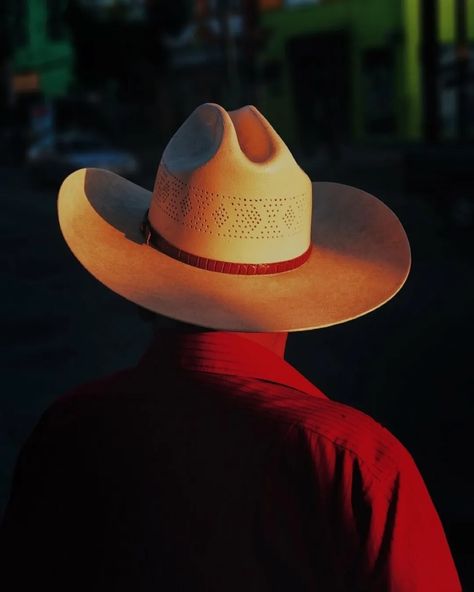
(214, 465)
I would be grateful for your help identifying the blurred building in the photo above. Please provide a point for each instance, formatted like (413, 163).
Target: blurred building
(328, 71)
(36, 67)
(40, 54)
(133, 10)
(337, 69)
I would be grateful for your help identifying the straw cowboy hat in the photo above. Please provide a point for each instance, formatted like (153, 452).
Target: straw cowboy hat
(235, 236)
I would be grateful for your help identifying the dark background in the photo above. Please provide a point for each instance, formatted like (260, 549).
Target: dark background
(347, 104)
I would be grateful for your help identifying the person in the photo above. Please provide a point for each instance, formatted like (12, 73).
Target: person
(213, 464)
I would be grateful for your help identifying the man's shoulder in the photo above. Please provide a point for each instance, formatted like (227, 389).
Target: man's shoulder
(328, 427)
(347, 441)
(319, 419)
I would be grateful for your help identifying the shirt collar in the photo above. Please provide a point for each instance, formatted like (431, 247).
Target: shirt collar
(221, 352)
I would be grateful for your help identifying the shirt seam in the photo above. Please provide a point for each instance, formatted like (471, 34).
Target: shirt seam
(375, 477)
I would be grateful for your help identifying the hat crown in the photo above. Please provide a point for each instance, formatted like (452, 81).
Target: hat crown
(212, 132)
(228, 188)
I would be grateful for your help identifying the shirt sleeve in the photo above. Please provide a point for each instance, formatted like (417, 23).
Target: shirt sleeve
(405, 547)
(333, 520)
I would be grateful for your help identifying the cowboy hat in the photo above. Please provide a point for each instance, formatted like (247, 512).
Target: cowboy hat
(235, 236)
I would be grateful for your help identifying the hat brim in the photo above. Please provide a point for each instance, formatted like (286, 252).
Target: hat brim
(360, 259)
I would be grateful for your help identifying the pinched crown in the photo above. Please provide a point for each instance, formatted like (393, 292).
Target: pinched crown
(229, 189)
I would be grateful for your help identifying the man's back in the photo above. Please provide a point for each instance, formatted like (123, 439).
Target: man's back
(214, 465)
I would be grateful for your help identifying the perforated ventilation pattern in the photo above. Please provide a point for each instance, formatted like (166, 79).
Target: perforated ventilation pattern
(226, 215)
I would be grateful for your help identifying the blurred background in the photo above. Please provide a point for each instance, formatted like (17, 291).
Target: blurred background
(379, 95)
